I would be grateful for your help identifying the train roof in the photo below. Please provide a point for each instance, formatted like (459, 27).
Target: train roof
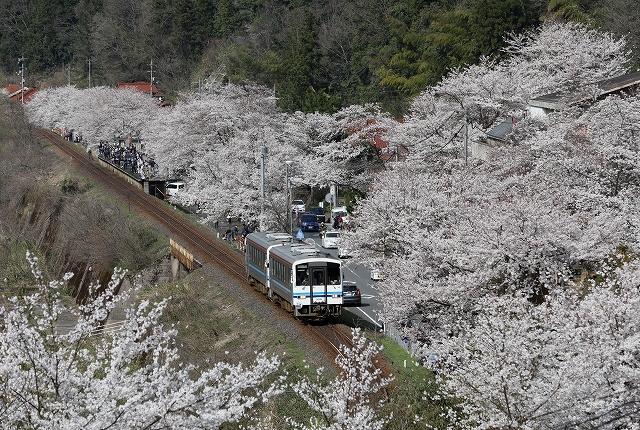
(291, 249)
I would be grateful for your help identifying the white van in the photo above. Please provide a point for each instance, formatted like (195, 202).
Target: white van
(339, 211)
(173, 187)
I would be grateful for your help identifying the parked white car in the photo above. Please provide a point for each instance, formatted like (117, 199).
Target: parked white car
(376, 275)
(330, 239)
(298, 206)
(344, 251)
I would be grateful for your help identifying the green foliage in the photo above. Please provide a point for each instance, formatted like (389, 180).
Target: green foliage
(14, 267)
(193, 23)
(493, 19)
(443, 37)
(318, 58)
(350, 196)
(37, 31)
(567, 10)
(302, 85)
(413, 390)
(69, 186)
(227, 18)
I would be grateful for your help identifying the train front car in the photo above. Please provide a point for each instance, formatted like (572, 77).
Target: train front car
(301, 279)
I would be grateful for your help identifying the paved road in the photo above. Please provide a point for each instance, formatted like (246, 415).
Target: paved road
(361, 275)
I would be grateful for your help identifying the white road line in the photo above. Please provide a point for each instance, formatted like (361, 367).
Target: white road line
(372, 320)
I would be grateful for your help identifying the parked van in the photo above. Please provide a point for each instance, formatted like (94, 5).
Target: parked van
(173, 187)
(340, 211)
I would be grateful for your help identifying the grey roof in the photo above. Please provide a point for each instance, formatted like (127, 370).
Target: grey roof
(558, 99)
(502, 130)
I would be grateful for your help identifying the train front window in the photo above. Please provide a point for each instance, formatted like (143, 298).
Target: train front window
(333, 272)
(302, 275)
(318, 277)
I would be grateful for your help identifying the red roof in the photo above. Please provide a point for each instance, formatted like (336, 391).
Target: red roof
(15, 92)
(377, 140)
(145, 87)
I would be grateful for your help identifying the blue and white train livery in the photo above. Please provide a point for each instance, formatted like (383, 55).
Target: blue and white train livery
(295, 274)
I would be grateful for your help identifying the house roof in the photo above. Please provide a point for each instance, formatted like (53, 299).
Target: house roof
(143, 87)
(15, 92)
(503, 129)
(562, 98)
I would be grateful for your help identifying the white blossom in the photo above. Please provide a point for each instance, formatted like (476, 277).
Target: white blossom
(129, 378)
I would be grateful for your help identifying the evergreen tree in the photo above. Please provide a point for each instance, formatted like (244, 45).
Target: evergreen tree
(424, 55)
(226, 19)
(40, 30)
(301, 86)
(193, 25)
(567, 10)
(492, 20)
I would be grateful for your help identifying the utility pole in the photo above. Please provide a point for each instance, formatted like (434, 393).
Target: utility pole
(89, 61)
(151, 81)
(21, 61)
(465, 128)
(68, 74)
(263, 153)
(465, 113)
(289, 214)
(466, 135)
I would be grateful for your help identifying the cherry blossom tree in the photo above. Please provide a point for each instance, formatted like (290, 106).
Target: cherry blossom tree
(570, 362)
(98, 113)
(513, 222)
(471, 249)
(555, 57)
(352, 399)
(338, 149)
(215, 143)
(129, 378)
(475, 252)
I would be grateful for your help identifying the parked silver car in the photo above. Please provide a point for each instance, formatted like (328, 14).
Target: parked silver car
(351, 294)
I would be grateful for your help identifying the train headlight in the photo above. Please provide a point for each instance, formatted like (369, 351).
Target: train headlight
(302, 297)
(334, 296)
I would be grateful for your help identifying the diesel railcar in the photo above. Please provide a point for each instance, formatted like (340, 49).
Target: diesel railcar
(294, 274)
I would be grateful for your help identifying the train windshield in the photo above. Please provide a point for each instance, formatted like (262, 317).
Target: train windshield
(333, 273)
(318, 277)
(302, 274)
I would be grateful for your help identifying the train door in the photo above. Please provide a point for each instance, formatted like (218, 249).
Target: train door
(319, 284)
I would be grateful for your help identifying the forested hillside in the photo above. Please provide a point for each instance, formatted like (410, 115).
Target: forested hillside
(318, 55)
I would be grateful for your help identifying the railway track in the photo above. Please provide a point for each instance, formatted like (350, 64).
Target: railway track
(185, 231)
(191, 235)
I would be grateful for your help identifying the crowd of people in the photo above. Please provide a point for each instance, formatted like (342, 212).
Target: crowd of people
(234, 234)
(125, 156)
